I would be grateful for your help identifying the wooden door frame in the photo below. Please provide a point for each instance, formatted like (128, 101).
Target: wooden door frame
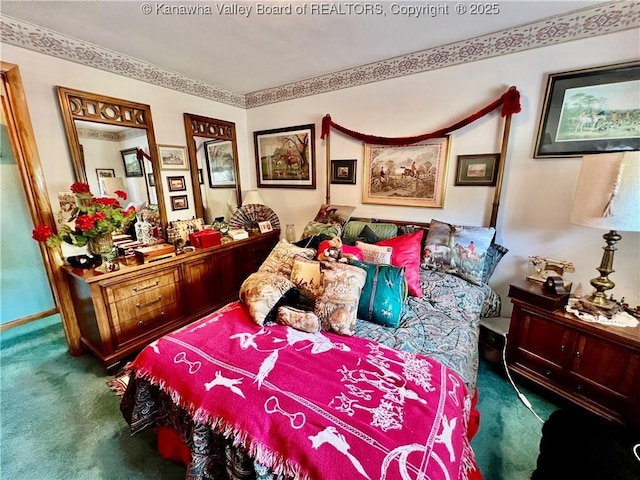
(33, 182)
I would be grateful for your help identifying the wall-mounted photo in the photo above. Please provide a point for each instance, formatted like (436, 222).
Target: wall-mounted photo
(132, 166)
(151, 180)
(200, 177)
(409, 175)
(220, 163)
(343, 171)
(105, 172)
(589, 111)
(176, 184)
(173, 157)
(480, 170)
(179, 202)
(285, 157)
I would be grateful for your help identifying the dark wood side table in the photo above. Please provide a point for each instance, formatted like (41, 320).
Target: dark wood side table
(592, 365)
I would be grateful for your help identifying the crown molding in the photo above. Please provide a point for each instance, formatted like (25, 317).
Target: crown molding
(588, 22)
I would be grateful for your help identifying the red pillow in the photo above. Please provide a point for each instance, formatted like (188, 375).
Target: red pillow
(406, 253)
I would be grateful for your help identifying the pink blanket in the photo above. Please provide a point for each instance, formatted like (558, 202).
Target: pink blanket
(316, 406)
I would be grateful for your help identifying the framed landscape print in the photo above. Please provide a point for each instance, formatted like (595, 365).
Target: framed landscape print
(220, 163)
(179, 202)
(409, 175)
(479, 170)
(173, 157)
(132, 166)
(285, 157)
(176, 184)
(590, 111)
(343, 171)
(105, 172)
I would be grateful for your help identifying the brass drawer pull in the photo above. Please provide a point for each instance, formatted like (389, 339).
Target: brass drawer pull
(139, 305)
(143, 323)
(138, 289)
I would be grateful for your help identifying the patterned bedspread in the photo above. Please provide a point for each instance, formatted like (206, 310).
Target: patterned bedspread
(308, 406)
(443, 324)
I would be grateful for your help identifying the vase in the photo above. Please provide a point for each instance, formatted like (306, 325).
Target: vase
(290, 233)
(103, 245)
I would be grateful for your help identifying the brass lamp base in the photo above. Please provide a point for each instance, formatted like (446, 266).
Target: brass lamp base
(602, 283)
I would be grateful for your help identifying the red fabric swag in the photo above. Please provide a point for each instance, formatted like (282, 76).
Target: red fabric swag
(510, 102)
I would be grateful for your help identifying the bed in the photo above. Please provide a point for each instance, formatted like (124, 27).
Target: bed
(237, 396)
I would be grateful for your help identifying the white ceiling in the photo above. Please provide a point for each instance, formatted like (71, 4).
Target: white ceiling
(248, 53)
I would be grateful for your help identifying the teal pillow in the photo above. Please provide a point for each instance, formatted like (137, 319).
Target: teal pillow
(383, 294)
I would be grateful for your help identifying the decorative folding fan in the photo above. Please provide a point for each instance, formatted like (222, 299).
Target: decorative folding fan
(248, 216)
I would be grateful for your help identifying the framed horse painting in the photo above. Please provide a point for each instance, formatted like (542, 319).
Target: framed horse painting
(408, 175)
(285, 157)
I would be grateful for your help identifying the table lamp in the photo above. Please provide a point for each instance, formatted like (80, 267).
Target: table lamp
(607, 196)
(252, 197)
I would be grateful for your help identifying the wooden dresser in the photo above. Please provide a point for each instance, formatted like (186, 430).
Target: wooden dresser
(121, 312)
(589, 364)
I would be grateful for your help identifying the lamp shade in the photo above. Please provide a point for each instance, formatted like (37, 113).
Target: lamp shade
(252, 197)
(607, 195)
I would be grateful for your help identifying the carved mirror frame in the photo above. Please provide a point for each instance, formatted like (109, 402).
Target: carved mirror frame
(93, 107)
(199, 126)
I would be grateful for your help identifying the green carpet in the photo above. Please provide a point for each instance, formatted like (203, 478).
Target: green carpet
(59, 420)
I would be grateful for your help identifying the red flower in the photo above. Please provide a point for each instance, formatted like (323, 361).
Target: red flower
(99, 216)
(41, 233)
(85, 222)
(121, 194)
(80, 187)
(130, 212)
(106, 201)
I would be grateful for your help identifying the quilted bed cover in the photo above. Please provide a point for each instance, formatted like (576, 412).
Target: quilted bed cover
(289, 404)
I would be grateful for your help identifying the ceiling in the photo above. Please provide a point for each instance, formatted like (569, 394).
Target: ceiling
(245, 51)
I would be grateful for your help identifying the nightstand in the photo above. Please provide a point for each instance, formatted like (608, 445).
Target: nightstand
(591, 365)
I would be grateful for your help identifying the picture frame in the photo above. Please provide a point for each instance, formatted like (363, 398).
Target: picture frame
(132, 165)
(265, 227)
(221, 168)
(407, 175)
(176, 184)
(173, 157)
(477, 170)
(179, 202)
(200, 177)
(105, 172)
(285, 157)
(343, 172)
(151, 180)
(591, 110)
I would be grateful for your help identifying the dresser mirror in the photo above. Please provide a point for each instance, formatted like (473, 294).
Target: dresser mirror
(105, 135)
(213, 158)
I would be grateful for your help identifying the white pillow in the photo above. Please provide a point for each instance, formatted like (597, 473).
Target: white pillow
(375, 253)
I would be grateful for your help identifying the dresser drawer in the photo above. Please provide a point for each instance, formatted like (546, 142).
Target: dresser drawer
(130, 328)
(141, 285)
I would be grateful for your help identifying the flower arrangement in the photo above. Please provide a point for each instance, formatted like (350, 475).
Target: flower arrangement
(90, 218)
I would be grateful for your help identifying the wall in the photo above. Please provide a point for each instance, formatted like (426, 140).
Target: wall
(537, 194)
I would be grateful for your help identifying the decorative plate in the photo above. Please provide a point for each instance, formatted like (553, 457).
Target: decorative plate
(248, 217)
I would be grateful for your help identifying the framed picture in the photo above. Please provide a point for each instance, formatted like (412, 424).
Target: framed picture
(285, 157)
(151, 180)
(176, 184)
(132, 166)
(179, 202)
(200, 177)
(589, 111)
(221, 166)
(105, 172)
(343, 171)
(265, 226)
(408, 175)
(479, 170)
(173, 157)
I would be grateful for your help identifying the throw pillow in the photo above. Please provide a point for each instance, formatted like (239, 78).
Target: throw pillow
(307, 277)
(457, 249)
(375, 253)
(367, 235)
(263, 292)
(383, 294)
(407, 253)
(299, 319)
(494, 255)
(382, 230)
(312, 241)
(280, 260)
(337, 306)
(316, 228)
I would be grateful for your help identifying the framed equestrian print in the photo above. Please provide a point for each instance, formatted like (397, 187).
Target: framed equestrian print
(285, 157)
(408, 175)
(588, 111)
